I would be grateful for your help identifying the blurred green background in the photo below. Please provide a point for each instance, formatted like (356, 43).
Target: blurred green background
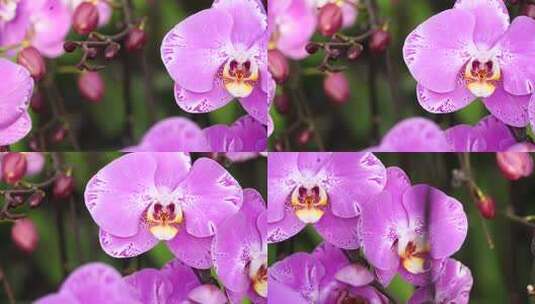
(347, 127)
(101, 126)
(40, 273)
(500, 274)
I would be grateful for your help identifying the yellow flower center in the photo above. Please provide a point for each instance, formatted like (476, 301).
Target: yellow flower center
(164, 220)
(240, 76)
(258, 274)
(309, 203)
(482, 76)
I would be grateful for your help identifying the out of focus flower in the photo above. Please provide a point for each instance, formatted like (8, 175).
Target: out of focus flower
(174, 283)
(31, 59)
(324, 277)
(379, 41)
(93, 283)
(473, 51)
(163, 198)
(322, 189)
(85, 18)
(329, 19)
(410, 229)
(452, 286)
(91, 86)
(14, 166)
(291, 25)
(515, 165)
(349, 9)
(42, 24)
(228, 60)
(34, 162)
(63, 186)
(135, 40)
(24, 234)
(336, 87)
(103, 7)
(16, 86)
(278, 66)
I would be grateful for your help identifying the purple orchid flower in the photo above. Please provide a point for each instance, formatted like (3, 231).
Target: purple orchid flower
(489, 135)
(104, 9)
(472, 51)
(452, 286)
(224, 48)
(325, 277)
(174, 283)
(43, 24)
(410, 229)
(423, 135)
(181, 134)
(16, 89)
(323, 189)
(240, 250)
(349, 9)
(141, 198)
(93, 283)
(291, 24)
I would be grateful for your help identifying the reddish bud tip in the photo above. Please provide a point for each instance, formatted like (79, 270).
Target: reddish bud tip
(278, 66)
(85, 18)
(304, 137)
(487, 207)
(135, 40)
(59, 134)
(91, 86)
(279, 146)
(515, 165)
(70, 46)
(282, 103)
(379, 41)
(14, 167)
(31, 59)
(92, 53)
(111, 51)
(24, 235)
(37, 103)
(336, 87)
(354, 52)
(63, 186)
(330, 19)
(312, 48)
(36, 198)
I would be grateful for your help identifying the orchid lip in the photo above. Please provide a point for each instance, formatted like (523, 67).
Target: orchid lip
(309, 203)
(258, 275)
(414, 253)
(164, 220)
(482, 75)
(240, 76)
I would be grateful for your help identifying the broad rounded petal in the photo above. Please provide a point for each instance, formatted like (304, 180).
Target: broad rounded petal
(415, 135)
(194, 50)
(212, 100)
(448, 224)
(36, 162)
(237, 242)
(153, 286)
(310, 163)
(16, 131)
(119, 247)
(256, 104)
(104, 12)
(301, 272)
(182, 278)
(447, 102)
(379, 220)
(245, 134)
(351, 179)
(115, 195)
(454, 283)
(16, 88)
(193, 251)
(282, 176)
(437, 49)
(517, 49)
(58, 298)
(171, 168)
(250, 20)
(341, 232)
(50, 24)
(511, 109)
(207, 294)
(332, 258)
(349, 12)
(99, 283)
(174, 134)
(356, 275)
(284, 228)
(492, 20)
(211, 195)
(280, 293)
(397, 181)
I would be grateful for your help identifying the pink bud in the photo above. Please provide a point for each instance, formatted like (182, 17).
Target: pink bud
(282, 103)
(515, 165)
(37, 102)
(336, 87)
(58, 134)
(278, 66)
(91, 86)
(135, 40)
(330, 19)
(487, 207)
(85, 18)
(24, 235)
(379, 41)
(63, 186)
(304, 137)
(529, 10)
(31, 59)
(14, 165)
